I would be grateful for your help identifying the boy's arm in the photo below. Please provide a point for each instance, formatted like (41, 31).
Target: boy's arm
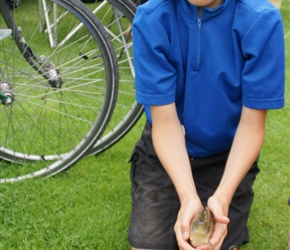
(245, 150)
(169, 144)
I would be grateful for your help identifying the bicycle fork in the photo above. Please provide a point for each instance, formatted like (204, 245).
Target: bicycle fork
(41, 64)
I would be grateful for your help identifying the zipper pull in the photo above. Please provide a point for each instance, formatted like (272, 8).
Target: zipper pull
(199, 23)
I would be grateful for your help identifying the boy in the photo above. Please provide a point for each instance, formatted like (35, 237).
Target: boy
(206, 72)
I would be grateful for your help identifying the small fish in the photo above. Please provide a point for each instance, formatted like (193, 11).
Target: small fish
(202, 227)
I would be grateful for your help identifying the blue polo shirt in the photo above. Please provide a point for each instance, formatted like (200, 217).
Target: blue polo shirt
(210, 66)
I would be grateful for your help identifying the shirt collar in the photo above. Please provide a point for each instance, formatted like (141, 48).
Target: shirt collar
(190, 10)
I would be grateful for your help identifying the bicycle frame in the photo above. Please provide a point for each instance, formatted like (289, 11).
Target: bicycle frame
(43, 8)
(52, 27)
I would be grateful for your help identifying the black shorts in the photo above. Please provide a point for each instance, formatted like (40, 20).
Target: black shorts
(155, 203)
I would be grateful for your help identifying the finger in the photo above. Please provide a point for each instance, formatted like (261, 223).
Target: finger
(218, 209)
(221, 219)
(182, 227)
(186, 246)
(185, 226)
(183, 244)
(219, 235)
(207, 246)
(210, 246)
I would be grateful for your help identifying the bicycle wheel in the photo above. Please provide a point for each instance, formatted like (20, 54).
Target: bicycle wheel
(61, 90)
(117, 16)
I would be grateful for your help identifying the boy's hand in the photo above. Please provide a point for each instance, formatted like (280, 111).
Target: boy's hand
(187, 211)
(221, 220)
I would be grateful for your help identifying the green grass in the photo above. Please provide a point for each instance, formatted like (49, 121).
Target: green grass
(269, 220)
(88, 206)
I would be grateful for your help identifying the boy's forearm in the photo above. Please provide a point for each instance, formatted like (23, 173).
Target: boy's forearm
(169, 144)
(245, 150)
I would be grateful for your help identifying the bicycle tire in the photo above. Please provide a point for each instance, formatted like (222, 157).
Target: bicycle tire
(61, 102)
(117, 16)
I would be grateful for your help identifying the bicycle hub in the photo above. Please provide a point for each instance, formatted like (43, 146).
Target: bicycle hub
(6, 93)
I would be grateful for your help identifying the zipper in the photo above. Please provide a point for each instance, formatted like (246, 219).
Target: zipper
(198, 42)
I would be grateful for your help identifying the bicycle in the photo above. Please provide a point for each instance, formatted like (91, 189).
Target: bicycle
(56, 101)
(117, 17)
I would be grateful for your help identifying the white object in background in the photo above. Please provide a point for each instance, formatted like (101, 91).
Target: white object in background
(4, 33)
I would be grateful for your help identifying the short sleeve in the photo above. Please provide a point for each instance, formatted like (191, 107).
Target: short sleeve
(263, 77)
(155, 77)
